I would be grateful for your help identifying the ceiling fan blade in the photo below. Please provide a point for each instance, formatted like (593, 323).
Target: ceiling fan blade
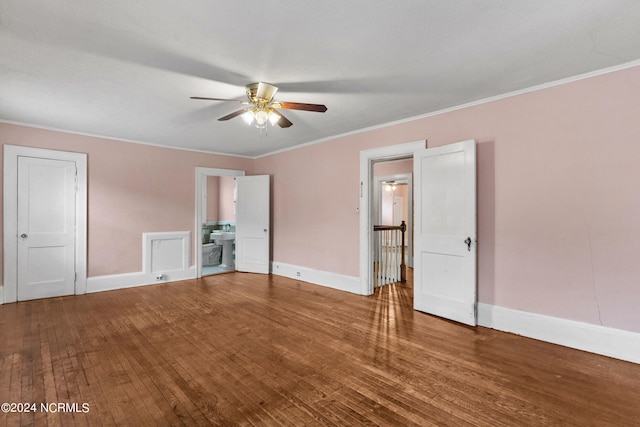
(218, 99)
(301, 106)
(266, 91)
(232, 115)
(283, 122)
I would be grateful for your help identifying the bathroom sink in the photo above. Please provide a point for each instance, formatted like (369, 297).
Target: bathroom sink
(222, 235)
(224, 239)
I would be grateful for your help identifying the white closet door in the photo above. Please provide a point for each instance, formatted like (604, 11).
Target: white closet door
(46, 227)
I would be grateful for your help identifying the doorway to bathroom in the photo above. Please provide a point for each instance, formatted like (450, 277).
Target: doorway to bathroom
(247, 223)
(216, 219)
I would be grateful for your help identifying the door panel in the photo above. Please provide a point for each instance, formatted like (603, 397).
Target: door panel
(46, 228)
(252, 224)
(445, 216)
(398, 210)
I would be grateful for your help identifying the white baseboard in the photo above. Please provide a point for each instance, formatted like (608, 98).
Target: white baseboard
(1, 294)
(616, 343)
(318, 277)
(130, 280)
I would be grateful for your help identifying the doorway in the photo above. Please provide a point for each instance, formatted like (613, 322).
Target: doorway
(392, 197)
(445, 226)
(368, 158)
(211, 257)
(45, 217)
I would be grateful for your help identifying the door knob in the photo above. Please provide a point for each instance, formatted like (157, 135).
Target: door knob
(24, 235)
(468, 242)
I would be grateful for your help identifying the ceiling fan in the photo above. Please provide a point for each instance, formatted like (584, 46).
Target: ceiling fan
(262, 108)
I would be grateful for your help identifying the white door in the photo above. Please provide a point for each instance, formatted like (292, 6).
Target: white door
(445, 231)
(398, 210)
(252, 224)
(46, 228)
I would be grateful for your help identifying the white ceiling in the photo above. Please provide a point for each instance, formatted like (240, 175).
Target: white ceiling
(125, 69)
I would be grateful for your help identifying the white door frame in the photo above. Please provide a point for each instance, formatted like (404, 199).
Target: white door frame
(10, 212)
(201, 177)
(367, 159)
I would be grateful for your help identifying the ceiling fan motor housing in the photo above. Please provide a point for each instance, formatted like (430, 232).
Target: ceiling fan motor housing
(261, 93)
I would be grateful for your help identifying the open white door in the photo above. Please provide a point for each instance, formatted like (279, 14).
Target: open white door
(252, 224)
(445, 231)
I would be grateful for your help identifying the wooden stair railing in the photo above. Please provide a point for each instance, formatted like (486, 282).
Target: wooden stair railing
(389, 262)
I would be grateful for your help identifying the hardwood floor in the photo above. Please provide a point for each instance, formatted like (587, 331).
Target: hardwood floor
(242, 349)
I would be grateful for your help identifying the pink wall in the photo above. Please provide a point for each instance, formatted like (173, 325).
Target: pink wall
(314, 201)
(213, 198)
(227, 187)
(394, 167)
(558, 203)
(132, 189)
(220, 191)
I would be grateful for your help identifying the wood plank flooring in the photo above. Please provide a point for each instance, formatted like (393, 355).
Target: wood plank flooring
(242, 349)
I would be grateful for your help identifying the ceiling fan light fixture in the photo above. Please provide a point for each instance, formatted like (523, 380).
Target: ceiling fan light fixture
(248, 117)
(263, 110)
(261, 117)
(274, 118)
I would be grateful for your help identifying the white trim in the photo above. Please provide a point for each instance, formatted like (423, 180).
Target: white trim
(201, 179)
(616, 343)
(327, 279)
(367, 158)
(130, 280)
(10, 213)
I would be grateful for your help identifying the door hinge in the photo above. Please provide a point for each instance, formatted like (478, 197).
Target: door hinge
(361, 186)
